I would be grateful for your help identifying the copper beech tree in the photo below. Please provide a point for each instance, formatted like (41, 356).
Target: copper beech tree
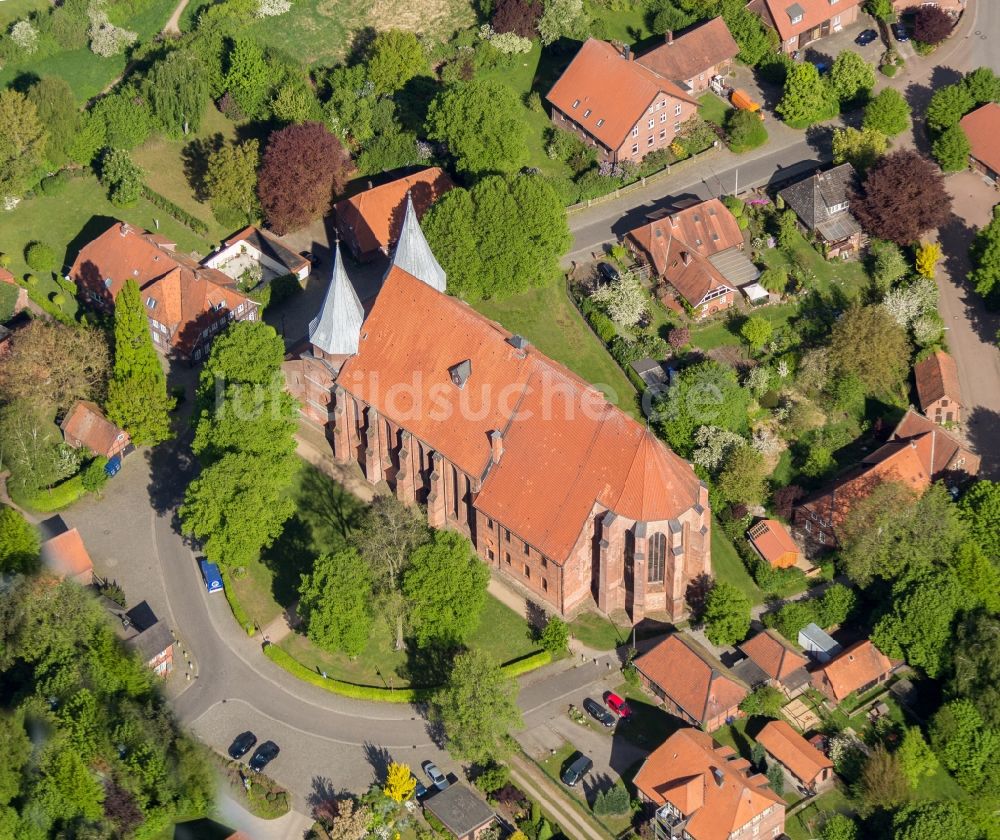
(304, 167)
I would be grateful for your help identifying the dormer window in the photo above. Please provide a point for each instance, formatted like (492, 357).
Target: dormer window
(460, 373)
(836, 208)
(795, 13)
(586, 113)
(151, 303)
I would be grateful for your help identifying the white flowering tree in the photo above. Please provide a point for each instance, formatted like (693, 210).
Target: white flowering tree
(714, 445)
(25, 36)
(907, 304)
(106, 39)
(766, 442)
(562, 18)
(623, 299)
(758, 380)
(508, 43)
(272, 8)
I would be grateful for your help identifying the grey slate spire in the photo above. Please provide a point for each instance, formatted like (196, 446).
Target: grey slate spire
(413, 254)
(337, 328)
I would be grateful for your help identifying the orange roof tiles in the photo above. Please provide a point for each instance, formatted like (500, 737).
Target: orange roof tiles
(679, 245)
(86, 425)
(66, 555)
(692, 53)
(937, 377)
(773, 656)
(947, 452)
(982, 127)
(697, 776)
(773, 542)
(698, 687)
(375, 216)
(612, 92)
(811, 13)
(855, 667)
(793, 751)
(565, 448)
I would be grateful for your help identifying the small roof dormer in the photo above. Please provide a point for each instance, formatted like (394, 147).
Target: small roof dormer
(336, 330)
(414, 255)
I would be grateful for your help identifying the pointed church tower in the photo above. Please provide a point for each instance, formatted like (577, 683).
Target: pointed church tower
(336, 331)
(413, 254)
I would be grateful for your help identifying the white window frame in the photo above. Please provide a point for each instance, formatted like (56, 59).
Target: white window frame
(678, 109)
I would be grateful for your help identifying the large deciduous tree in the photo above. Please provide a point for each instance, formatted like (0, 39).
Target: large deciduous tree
(19, 546)
(933, 820)
(22, 142)
(851, 76)
(482, 125)
(477, 708)
(867, 343)
(445, 587)
(807, 97)
(859, 148)
(394, 58)
(248, 78)
(177, 88)
(932, 25)
(137, 393)
(705, 394)
(947, 106)
(980, 507)
(727, 614)
(304, 166)
(888, 113)
(336, 602)
(231, 182)
(976, 666)
(964, 742)
(500, 238)
(58, 112)
(951, 149)
(882, 785)
(985, 255)
(902, 197)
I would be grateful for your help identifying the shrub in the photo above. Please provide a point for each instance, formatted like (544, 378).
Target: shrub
(53, 499)
(93, 476)
(178, 213)
(745, 131)
(40, 257)
(492, 777)
(113, 591)
(527, 663)
(55, 184)
(679, 337)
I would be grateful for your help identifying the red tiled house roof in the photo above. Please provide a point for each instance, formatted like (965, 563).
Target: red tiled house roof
(556, 466)
(854, 668)
(371, 220)
(937, 377)
(774, 657)
(696, 686)
(679, 245)
(810, 14)
(982, 127)
(86, 425)
(66, 556)
(612, 92)
(949, 457)
(710, 785)
(773, 542)
(804, 761)
(186, 298)
(694, 52)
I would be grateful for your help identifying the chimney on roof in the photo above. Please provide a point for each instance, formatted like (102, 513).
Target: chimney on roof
(496, 445)
(627, 52)
(717, 775)
(124, 229)
(670, 36)
(673, 221)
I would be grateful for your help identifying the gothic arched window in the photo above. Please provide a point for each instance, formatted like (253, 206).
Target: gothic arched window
(657, 556)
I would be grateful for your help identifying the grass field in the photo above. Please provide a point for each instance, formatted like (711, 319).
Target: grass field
(628, 25)
(598, 631)
(12, 10)
(727, 566)
(88, 74)
(321, 32)
(713, 109)
(548, 319)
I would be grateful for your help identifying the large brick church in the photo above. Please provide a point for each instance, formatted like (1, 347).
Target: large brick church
(559, 490)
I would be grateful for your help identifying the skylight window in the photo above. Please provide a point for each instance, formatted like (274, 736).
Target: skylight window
(151, 303)
(586, 113)
(576, 102)
(600, 122)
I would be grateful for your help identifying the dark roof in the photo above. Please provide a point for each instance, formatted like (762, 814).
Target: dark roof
(461, 811)
(151, 641)
(142, 616)
(812, 197)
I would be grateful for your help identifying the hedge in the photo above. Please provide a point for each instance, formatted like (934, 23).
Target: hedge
(385, 695)
(179, 213)
(239, 613)
(56, 498)
(53, 309)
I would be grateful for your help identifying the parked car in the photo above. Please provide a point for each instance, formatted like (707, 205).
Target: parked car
(607, 272)
(438, 779)
(617, 705)
(598, 712)
(263, 755)
(242, 744)
(419, 789)
(579, 767)
(866, 37)
(899, 32)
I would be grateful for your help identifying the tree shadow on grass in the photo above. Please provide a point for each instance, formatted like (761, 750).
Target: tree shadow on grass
(330, 512)
(427, 666)
(195, 156)
(290, 557)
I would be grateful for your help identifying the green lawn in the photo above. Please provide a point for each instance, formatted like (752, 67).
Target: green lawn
(598, 631)
(804, 824)
(649, 726)
(165, 162)
(728, 566)
(713, 109)
(625, 25)
(722, 332)
(848, 275)
(549, 320)
(322, 31)
(12, 10)
(88, 74)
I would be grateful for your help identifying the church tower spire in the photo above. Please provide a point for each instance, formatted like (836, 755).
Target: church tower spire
(336, 330)
(413, 254)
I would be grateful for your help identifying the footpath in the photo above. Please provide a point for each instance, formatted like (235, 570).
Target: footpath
(573, 822)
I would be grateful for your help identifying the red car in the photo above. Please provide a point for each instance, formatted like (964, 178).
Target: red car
(617, 705)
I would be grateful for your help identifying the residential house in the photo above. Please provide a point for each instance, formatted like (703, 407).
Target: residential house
(855, 670)
(86, 426)
(819, 644)
(65, 556)
(938, 389)
(800, 22)
(809, 768)
(691, 60)
(918, 453)
(618, 105)
(822, 203)
(689, 683)
(459, 810)
(700, 790)
(952, 7)
(697, 252)
(187, 304)
(21, 299)
(143, 633)
(255, 247)
(482, 431)
(771, 540)
(982, 127)
(370, 221)
(782, 667)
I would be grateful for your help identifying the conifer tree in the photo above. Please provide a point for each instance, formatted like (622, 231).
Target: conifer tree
(137, 394)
